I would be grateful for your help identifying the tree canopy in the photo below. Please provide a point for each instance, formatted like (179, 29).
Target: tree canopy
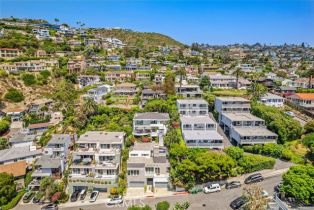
(7, 188)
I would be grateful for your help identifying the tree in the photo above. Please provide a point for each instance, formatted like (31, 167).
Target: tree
(169, 85)
(310, 74)
(7, 188)
(181, 73)
(171, 138)
(235, 153)
(4, 144)
(255, 199)
(309, 127)
(89, 107)
(4, 126)
(163, 205)
(13, 95)
(238, 73)
(257, 90)
(204, 83)
(182, 206)
(46, 186)
(298, 182)
(56, 20)
(28, 79)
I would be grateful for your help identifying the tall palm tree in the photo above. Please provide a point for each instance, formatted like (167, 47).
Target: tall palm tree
(56, 20)
(310, 74)
(182, 73)
(238, 73)
(89, 107)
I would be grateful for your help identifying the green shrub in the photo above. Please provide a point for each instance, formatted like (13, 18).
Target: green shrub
(250, 163)
(14, 201)
(287, 154)
(163, 205)
(235, 152)
(309, 127)
(28, 79)
(28, 178)
(13, 95)
(272, 150)
(4, 126)
(136, 207)
(308, 139)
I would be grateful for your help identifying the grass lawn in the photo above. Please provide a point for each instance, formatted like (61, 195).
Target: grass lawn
(229, 92)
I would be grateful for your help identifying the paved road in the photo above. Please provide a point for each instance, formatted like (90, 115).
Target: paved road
(226, 140)
(201, 201)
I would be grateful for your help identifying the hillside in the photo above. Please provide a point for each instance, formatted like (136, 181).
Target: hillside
(140, 39)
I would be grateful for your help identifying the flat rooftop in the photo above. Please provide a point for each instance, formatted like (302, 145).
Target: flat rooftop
(241, 116)
(254, 131)
(16, 153)
(59, 138)
(196, 119)
(192, 101)
(201, 135)
(101, 137)
(232, 99)
(151, 116)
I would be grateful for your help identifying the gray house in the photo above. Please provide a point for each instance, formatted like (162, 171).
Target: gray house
(58, 146)
(148, 166)
(200, 132)
(192, 107)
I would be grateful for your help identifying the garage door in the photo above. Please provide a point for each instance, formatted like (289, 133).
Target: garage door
(101, 189)
(161, 184)
(136, 184)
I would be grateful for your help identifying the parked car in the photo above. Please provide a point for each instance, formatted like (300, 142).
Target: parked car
(74, 196)
(265, 194)
(93, 196)
(38, 197)
(291, 114)
(212, 188)
(233, 184)
(28, 196)
(115, 200)
(277, 188)
(51, 206)
(83, 194)
(254, 178)
(238, 203)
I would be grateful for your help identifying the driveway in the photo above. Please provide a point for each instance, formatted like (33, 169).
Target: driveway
(226, 141)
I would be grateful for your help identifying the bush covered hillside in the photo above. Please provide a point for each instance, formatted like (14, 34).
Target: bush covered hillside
(140, 39)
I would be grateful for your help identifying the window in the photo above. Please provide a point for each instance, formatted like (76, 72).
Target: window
(76, 171)
(133, 172)
(157, 170)
(149, 170)
(105, 146)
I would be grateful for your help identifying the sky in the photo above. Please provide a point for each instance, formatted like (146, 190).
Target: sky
(212, 21)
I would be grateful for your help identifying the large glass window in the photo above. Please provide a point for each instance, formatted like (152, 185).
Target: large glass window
(133, 172)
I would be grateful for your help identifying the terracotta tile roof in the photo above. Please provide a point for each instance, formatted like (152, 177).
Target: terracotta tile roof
(14, 110)
(16, 169)
(38, 125)
(305, 96)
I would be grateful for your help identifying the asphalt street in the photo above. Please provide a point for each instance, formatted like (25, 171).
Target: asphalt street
(201, 201)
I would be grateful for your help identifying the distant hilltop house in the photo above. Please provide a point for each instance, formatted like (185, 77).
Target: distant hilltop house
(41, 33)
(304, 100)
(10, 53)
(111, 43)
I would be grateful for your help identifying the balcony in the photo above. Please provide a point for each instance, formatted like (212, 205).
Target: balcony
(206, 145)
(257, 141)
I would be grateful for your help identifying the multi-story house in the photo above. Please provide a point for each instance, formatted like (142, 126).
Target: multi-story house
(8, 53)
(96, 161)
(22, 139)
(97, 93)
(159, 78)
(148, 167)
(193, 107)
(92, 42)
(111, 43)
(304, 100)
(76, 66)
(35, 65)
(85, 80)
(270, 99)
(189, 91)
(125, 89)
(231, 104)
(142, 75)
(47, 166)
(222, 81)
(114, 58)
(41, 33)
(152, 124)
(200, 132)
(149, 94)
(118, 76)
(16, 154)
(16, 114)
(239, 124)
(58, 146)
(40, 106)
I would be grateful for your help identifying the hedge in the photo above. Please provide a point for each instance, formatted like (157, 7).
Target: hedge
(251, 163)
(14, 201)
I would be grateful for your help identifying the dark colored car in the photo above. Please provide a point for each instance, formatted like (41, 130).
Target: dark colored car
(254, 178)
(75, 196)
(277, 188)
(234, 184)
(238, 203)
(83, 194)
(51, 206)
(28, 197)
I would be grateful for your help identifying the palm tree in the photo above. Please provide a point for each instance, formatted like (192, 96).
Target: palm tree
(89, 108)
(238, 73)
(256, 90)
(182, 73)
(310, 74)
(56, 21)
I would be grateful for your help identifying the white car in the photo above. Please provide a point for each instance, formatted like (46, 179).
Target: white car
(291, 114)
(93, 196)
(115, 200)
(212, 188)
(265, 194)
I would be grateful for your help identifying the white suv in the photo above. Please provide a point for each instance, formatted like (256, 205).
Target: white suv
(212, 188)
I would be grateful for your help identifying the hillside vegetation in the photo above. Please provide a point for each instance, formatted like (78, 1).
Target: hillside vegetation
(140, 39)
